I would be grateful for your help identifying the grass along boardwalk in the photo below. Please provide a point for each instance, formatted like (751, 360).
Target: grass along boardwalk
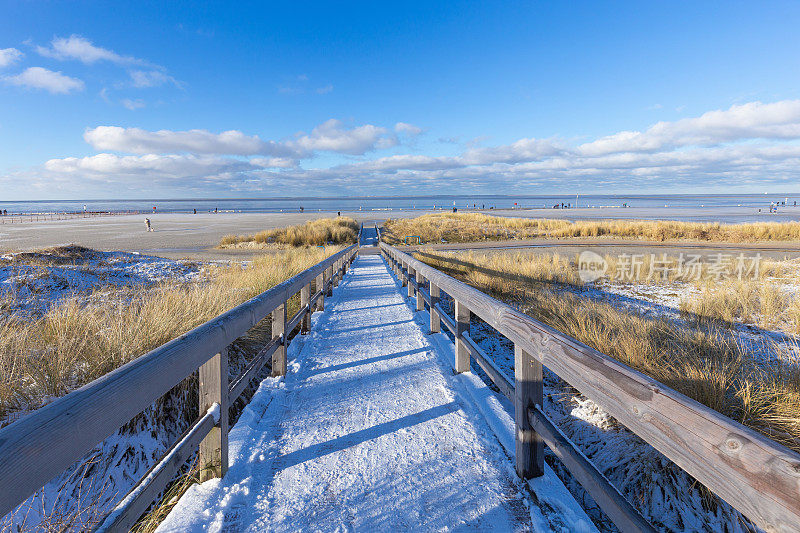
(370, 430)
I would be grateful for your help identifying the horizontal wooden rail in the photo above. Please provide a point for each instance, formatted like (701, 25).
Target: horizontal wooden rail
(613, 503)
(295, 320)
(497, 376)
(44, 443)
(753, 473)
(136, 502)
(265, 354)
(449, 322)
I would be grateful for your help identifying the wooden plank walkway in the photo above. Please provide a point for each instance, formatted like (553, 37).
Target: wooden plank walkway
(367, 432)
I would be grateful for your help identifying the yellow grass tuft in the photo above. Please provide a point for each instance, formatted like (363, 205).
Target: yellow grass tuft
(473, 227)
(340, 230)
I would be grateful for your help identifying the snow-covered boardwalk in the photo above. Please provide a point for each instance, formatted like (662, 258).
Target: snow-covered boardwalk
(367, 431)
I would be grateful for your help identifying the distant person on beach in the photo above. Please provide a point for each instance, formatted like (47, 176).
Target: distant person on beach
(147, 224)
(338, 213)
(195, 211)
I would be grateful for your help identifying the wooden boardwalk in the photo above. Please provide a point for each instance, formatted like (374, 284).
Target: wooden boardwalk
(369, 433)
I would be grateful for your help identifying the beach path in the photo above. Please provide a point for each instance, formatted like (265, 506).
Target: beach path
(371, 430)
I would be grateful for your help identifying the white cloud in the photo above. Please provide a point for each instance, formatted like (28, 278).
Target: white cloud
(9, 56)
(517, 152)
(139, 141)
(779, 120)
(274, 162)
(325, 90)
(41, 78)
(409, 129)
(332, 137)
(83, 50)
(133, 105)
(151, 165)
(150, 78)
(748, 144)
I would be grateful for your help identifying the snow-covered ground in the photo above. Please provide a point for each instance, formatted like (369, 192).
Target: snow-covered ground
(370, 430)
(32, 282)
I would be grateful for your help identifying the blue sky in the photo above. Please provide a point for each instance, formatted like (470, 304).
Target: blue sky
(250, 99)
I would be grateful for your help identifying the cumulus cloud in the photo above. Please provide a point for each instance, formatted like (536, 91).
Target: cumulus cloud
(331, 136)
(151, 165)
(752, 143)
(325, 90)
(779, 120)
(139, 141)
(9, 56)
(82, 49)
(408, 129)
(41, 78)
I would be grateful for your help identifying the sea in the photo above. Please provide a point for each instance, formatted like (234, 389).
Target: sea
(390, 203)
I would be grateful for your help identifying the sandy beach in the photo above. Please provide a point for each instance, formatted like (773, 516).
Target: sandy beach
(179, 235)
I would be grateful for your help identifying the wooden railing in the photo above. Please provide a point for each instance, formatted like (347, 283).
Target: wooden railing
(754, 474)
(43, 444)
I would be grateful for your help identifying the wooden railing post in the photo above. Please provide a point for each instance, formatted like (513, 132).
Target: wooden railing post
(328, 276)
(305, 298)
(319, 285)
(462, 326)
(279, 331)
(528, 392)
(213, 453)
(404, 274)
(435, 320)
(336, 272)
(410, 285)
(420, 299)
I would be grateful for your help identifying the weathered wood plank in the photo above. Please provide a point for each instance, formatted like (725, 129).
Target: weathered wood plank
(319, 288)
(435, 326)
(462, 326)
(528, 393)
(240, 384)
(492, 370)
(610, 500)
(279, 332)
(449, 323)
(296, 319)
(756, 475)
(420, 300)
(305, 297)
(213, 458)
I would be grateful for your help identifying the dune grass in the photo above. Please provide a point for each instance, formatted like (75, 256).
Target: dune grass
(86, 337)
(475, 227)
(339, 230)
(700, 359)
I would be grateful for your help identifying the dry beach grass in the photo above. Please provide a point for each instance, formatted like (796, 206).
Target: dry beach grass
(339, 230)
(87, 336)
(699, 359)
(474, 227)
